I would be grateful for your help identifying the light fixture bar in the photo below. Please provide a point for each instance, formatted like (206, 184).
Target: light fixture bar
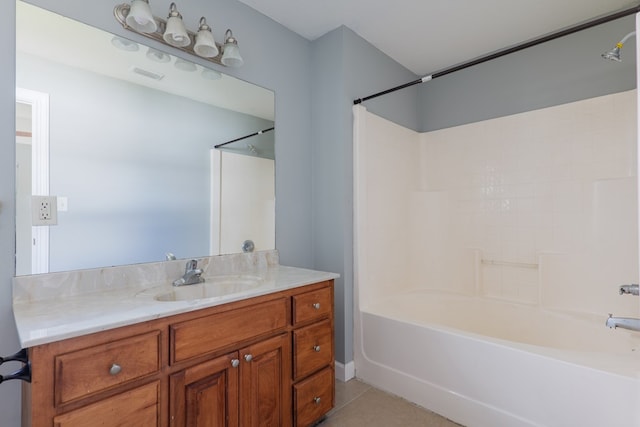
(122, 10)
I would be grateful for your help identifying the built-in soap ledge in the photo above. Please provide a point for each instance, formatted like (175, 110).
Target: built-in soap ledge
(79, 282)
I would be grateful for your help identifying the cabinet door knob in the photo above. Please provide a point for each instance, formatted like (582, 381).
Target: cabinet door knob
(316, 348)
(235, 363)
(316, 400)
(248, 357)
(316, 305)
(115, 369)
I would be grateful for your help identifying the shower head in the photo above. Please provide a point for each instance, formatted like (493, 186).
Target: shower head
(614, 54)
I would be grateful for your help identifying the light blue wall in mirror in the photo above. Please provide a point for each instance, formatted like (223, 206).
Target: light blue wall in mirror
(138, 184)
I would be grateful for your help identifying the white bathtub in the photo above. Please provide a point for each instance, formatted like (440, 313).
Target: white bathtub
(487, 363)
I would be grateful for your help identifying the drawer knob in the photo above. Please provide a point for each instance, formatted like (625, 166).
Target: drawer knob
(235, 363)
(316, 305)
(316, 348)
(248, 357)
(115, 369)
(316, 400)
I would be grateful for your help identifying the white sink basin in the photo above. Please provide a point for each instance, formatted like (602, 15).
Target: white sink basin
(218, 286)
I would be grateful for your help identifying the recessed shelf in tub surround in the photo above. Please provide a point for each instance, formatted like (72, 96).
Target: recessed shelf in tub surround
(56, 306)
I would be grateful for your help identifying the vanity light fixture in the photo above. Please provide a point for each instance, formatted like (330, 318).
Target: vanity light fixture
(231, 52)
(137, 17)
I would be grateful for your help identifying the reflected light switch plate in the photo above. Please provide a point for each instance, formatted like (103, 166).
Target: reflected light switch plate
(63, 204)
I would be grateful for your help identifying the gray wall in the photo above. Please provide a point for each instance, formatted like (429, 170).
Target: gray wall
(9, 392)
(313, 156)
(557, 72)
(275, 58)
(346, 67)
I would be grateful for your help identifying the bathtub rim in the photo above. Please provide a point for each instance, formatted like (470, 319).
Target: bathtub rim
(628, 367)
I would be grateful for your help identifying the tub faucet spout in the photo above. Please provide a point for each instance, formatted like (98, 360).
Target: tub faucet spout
(191, 276)
(629, 289)
(623, 322)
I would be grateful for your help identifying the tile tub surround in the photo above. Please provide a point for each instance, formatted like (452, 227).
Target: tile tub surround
(56, 306)
(538, 208)
(534, 212)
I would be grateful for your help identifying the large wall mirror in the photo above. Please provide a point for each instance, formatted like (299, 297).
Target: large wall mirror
(123, 135)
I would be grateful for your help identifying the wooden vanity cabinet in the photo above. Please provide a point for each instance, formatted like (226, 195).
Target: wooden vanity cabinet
(206, 394)
(313, 355)
(263, 361)
(244, 388)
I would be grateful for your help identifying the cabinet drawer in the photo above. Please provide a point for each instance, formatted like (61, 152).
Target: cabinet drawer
(88, 371)
(312, 348)
(135, 408)
(313, 397)
(312, 305)
(207, 334)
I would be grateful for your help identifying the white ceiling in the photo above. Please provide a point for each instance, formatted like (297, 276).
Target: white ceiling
(429, 35)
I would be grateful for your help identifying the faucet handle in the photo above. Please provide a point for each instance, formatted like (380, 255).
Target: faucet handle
(192, 265)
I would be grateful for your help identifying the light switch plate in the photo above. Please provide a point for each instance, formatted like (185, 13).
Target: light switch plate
(63, 203)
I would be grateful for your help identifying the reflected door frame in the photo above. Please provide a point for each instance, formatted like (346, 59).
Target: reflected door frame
(39, 102)
(215, 198)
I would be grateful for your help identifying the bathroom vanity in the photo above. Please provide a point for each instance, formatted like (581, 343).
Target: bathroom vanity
(262, 357)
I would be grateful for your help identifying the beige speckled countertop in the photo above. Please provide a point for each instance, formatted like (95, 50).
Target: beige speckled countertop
(57, 306)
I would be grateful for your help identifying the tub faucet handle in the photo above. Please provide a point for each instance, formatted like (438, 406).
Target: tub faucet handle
(629, 289)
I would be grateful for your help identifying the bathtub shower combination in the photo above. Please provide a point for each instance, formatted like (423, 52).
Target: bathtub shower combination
(488, 257)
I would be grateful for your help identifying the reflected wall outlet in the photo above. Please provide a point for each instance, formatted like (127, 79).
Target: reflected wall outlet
(44, 210)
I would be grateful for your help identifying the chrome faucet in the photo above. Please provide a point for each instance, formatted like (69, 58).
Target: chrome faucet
(623, 322)
(192, 275)
(629, 289)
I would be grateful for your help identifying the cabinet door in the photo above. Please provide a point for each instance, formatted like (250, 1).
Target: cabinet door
(206, 395)
(265, 375)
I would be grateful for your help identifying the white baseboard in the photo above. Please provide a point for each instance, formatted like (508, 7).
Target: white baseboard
(345, 372)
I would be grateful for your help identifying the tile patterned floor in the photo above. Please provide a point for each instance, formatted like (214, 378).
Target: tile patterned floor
(358, 404)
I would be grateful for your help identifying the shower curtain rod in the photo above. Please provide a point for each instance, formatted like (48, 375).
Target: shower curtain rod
(507, 51)
(260, 132)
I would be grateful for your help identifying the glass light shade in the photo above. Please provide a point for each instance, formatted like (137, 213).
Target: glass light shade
(211, 74)
(140, 17)
(205, 44)
(124, 44)
(157, 56)
(175, 33)
(231, 55)
(183, 65)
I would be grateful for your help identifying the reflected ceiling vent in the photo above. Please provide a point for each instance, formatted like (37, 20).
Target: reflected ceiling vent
(147, 73)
